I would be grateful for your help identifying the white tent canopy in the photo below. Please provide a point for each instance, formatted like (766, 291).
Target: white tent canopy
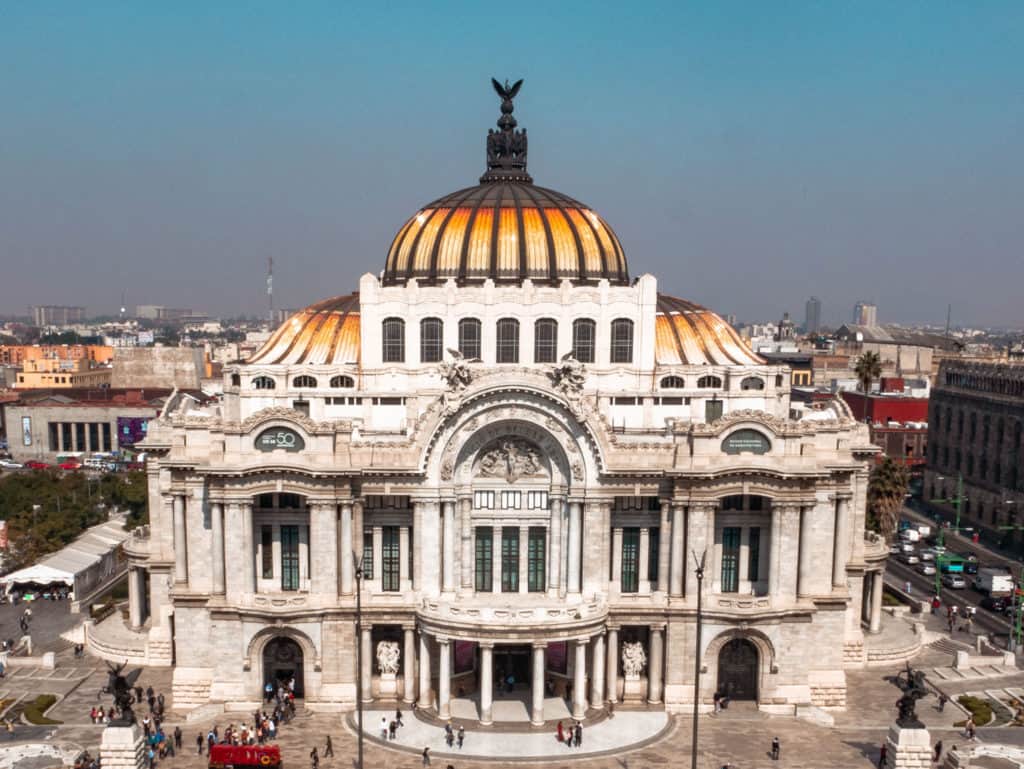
(40, 574)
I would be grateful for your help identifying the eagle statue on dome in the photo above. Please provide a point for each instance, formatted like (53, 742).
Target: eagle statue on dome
(506, 92)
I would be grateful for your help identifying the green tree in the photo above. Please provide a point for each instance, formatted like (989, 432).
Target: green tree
(868, 368)
(887, 488)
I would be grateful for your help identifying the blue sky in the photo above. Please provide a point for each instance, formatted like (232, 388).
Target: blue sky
(748, 154)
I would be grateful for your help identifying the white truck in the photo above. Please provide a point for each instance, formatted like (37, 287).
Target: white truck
(994, 582)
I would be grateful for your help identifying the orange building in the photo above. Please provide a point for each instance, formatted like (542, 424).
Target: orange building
(17, 354)
(61, 373)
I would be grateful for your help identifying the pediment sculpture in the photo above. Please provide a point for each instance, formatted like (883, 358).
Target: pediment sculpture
(511, 459)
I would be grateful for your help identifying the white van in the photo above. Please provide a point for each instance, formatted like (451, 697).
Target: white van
(910, 535)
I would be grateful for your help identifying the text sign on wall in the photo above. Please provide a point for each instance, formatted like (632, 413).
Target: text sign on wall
(746, 442)
(280, 438)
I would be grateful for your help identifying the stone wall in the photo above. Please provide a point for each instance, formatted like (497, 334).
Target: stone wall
(182, 367)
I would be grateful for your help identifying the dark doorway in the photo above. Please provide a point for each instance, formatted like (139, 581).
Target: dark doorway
(511, 662)
(282, 661)
(737, 670)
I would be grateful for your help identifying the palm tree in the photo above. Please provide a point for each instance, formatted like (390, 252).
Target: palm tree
(868, 369)
(887, 488)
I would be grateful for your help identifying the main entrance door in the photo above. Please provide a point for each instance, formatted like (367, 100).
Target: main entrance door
(737, 670)
(511, 668)
(282, 662)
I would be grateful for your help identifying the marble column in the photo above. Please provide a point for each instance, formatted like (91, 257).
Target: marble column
(664, 543)
(537, 686)
(377, 583)
(700, 528)
(424, 671)
(524, 559)
(775, 561)
(788, 567)
(616, 576)
(486, 683)
(444, 679)
(465, 524)
(644, 561)
(597, 672)
(612, 663)
(248, 561)
(347, 550)
(135, 597)
(841, 551)
(655, 664)
(409, 664)
(217, 526)
(677, 556)
(180, 541)
(324, 544)
(496, 537)
(555, 547)
(448, 552)
(366, 651)
(579, 681)
(806, 565)
(403, 558)
(876, 602)
(575, 546)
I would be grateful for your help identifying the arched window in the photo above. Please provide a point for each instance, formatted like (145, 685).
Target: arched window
(394, 340)
(583, 332)
(622, 340)
(672, 383)
(709, 382)
(431, 340)
(752, 383)
(263, 383)
(507, 350)
(236, 380)
(545, 340)
(304, 381)
(469, 338)
(342, 381)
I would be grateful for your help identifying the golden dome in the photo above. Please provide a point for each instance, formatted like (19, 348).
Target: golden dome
(506, 230)
(324, 333)
(688, 334)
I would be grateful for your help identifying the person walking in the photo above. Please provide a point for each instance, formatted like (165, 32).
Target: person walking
(882, 755)
(449, 735)
(943, 699)
(329, 748)
(938, 751)
(426, 757)
(560, 733)
(199, 743)
(398, 717)
(579, 734)
(776, 748)
(384, 728)
(314, 758)
(177, 737)
(462, 736)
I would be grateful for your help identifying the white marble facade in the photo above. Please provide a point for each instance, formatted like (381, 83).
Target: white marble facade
(522, 519)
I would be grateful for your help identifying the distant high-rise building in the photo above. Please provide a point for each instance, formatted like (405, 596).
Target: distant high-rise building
(57, 315)
(865, 314)
(812, 315)
(158, 312)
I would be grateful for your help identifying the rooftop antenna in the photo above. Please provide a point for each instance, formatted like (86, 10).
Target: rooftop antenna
(123, 309)
(270, 289)
(949, 316)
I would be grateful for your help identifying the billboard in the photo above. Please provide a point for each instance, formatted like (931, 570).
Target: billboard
(131, 430)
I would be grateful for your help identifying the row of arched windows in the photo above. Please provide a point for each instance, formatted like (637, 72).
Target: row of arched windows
(507, 348)
(709, 382)
(303, 381)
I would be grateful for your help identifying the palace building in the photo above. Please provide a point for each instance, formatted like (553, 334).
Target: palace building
(516, 451)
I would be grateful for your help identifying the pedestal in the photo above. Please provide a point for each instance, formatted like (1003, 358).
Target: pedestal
(908, 748)
(123, 747)
(634, 688)
(388, 685)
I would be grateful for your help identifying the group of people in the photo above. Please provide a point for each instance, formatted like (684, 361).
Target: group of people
(571, 736)
(389, 729)
(160, 745)
(452, 738)
(314, 756)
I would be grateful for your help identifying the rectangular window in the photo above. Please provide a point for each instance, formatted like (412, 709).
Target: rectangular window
(484, 559)
(630, 582)
(511, 500)
(368, 554)
(510, 559)
(390, 559)
(583, 333)
(431, 340)
(754, 554)
(94, 436)
(65, 436)
(394, 340)
(507, 350)
(730, 559)
(622, 341)
(652, 555)
(483, 500)
(536, 500)
(54, 437)
(712, 411)
(289, 557)
(469, 338)
(79, 436)
(545, 340)
(267, 552)
(106, 437)
(536, 560)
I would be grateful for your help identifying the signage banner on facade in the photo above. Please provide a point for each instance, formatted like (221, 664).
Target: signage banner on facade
(746, 442)
(131, 430)
(465, 656)
(280, 438)
(558, 657)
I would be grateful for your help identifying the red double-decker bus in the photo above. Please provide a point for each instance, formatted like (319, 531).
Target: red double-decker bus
(256, 756)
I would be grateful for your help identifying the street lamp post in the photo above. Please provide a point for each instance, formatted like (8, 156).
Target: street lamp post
(359, 662)
(699, 564)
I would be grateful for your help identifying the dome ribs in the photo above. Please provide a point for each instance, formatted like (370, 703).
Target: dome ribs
(552, 256)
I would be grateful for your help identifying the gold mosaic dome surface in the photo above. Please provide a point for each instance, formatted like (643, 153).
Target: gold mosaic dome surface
(506, 230)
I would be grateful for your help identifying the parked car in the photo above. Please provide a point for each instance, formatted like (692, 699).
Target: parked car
(994, 603)
(35, 464)
(954, 581)
(910, 558)
(10, 464)
(928, 554)
(907, 547)
(895, 549)
(69, 466)
(927, 568)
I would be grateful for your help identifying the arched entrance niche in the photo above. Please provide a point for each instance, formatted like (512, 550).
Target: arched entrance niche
(283, 662)
(742, 660)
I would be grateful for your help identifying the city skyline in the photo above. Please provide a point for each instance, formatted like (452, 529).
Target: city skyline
(168, 156)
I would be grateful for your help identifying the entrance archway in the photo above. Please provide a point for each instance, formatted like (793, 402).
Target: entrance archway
(738, 670)
(511, 669)
(282, 661)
